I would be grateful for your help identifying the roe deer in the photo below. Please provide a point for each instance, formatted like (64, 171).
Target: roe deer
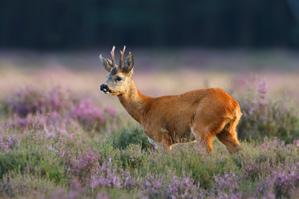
(168, 120)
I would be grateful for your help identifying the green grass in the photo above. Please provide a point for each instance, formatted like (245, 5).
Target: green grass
(45, 159)
(44, 169)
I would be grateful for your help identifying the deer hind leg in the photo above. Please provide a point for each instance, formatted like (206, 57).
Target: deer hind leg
(206, 132)
(228, 136)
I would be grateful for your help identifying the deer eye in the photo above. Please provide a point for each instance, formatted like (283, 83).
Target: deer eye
(118, 78)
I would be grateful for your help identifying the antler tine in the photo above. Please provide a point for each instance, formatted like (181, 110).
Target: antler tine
(122, 57)
(101, 57)
(112, 55)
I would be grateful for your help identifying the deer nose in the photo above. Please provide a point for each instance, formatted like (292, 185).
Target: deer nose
(104, 88)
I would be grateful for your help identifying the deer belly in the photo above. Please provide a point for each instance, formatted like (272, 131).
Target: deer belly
(182, 135)
(179, 127)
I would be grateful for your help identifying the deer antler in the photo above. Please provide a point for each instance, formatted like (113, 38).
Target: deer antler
(122, 57)
(112, 56)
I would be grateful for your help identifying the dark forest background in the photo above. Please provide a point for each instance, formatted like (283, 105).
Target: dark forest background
(74, 24)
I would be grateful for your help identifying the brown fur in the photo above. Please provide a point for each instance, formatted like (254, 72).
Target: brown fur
(205, 113)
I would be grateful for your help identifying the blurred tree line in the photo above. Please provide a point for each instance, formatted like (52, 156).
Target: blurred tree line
(57, 24)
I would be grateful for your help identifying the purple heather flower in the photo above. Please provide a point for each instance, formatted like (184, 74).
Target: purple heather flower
(281, 182)
(272, 144)
(262, 92)
(178, 187)
(7, 143)
(59, 193)
(85, 165)
(102, 196)
(33, 101)
(226, 186)
(89, 115)
(152, 188)
(183, 188)
(108, 176)
(227, 181)
(111, 111)
(11, 141)
(75, 189)
(3, 145)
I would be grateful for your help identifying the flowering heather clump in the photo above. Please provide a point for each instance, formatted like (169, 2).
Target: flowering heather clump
(263, 117)
(178, 187)
(7, 143)
(60, 100)
(47, 152)
(184, 188)
(26, 101)
(102, 196)
(227, 182)
(272, 144)
(50, 125)
(152, 187)
(108, 176)
(85, 165)
(32, 101)
(262, 91)
(281, 183)
(75, 191)
(253, 170)
(28, 107)
(28, 122)
(89, 115)
(110, 111)
(226, 186)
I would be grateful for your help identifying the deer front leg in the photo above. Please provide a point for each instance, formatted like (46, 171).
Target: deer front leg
(153, 143)
(160, 137)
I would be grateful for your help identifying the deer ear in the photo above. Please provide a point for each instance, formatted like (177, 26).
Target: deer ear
(129, 63)
(107, 63)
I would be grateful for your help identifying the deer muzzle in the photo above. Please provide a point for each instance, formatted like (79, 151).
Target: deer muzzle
(105, 89)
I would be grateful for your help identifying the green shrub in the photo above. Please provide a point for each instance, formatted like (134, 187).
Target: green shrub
(17, 185)
(132, 157)
(264, 116)
(129, 136)
(271, 120)
(33, 160)
(188, 160)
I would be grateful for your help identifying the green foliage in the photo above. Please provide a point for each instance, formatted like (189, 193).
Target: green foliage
(33, 160)
(132, 157)
(271, 120)
(264, 115)
(60, 161)
(131, 136)
(188, 160)
(22, 185)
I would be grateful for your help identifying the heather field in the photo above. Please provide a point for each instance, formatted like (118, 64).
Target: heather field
(61, 138)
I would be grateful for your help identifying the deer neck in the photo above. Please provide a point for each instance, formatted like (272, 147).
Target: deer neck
(134, 102)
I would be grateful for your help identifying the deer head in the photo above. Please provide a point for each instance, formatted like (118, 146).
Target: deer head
(120, 76)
